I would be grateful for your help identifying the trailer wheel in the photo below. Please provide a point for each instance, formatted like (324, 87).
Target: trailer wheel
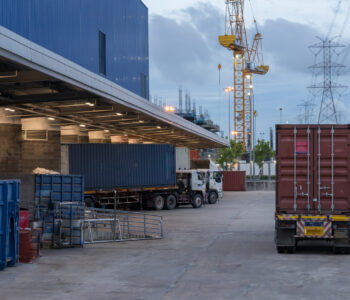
(158, 202)
(284, 249)
(89, 202)
(170, 202)
(212, 198)
(341, 250)
(197, 201)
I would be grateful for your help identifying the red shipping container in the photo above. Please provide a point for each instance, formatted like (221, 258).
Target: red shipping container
(194, 154)
(313, 170)
(24, 219)
(234, 181)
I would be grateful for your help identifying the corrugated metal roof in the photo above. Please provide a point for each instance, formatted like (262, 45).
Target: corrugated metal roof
(34, 61)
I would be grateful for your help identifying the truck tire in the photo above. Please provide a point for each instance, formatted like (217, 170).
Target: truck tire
(89, 202)
(197, 201)
(158, 202)
(170, 202)
(212, 197)
(286, 249)
(341, 250)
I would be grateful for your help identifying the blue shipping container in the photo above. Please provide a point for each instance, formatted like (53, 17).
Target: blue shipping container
(108, 166)
(73, 29)
(9, 222)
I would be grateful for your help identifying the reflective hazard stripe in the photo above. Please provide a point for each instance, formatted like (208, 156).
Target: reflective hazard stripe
(327, 231)
(287, 217)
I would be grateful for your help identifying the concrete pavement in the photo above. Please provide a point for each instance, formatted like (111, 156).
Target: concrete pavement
(223, 251)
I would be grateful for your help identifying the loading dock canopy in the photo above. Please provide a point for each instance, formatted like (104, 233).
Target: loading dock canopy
(35, 82)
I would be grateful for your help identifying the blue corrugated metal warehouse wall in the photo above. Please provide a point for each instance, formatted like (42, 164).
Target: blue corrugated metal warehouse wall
(71, 28)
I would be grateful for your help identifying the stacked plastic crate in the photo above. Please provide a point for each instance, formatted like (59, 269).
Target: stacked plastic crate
(60, 206)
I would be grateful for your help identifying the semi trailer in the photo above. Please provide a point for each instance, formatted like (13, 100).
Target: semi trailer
(312, 186)
(137, 175)
(190, 189)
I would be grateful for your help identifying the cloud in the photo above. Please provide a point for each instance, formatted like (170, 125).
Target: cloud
(184, 50)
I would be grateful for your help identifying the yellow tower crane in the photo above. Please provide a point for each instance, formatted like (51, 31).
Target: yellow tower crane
(247, 61)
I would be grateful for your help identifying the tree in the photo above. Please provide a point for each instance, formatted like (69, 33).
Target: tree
(263, 152)
(230, 155)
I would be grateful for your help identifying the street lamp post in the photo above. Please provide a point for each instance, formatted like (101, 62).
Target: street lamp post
(254, 134)
(228, 90)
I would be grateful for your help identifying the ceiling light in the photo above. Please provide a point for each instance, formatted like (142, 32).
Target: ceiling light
(82, 125)
(119, 114)
(9, 109)
(106, 130)
(169, 108)
(141, 121)
(159, 127)
(51, 118)
(90, 104)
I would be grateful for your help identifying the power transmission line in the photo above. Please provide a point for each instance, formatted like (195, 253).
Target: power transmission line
(327, 89)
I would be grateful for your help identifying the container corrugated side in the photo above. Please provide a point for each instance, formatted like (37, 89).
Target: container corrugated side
(71, 28)
(183, 161)
(304, 155)
(109, 166)
(234, 181)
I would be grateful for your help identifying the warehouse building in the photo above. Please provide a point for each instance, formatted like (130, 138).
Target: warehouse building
(76, 71)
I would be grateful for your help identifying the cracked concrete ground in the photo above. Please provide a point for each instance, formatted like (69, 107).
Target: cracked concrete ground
(224, 251)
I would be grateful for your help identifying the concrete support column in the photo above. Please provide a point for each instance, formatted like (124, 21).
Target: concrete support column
(11, 142)
(41, 145)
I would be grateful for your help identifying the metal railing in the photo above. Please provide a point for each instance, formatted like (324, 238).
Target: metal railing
(105, 225)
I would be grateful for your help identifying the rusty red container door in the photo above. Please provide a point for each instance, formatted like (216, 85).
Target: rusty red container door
(313, 174)
(194, 154)
(234, 181)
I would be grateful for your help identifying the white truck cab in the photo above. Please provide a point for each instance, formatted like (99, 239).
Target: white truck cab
(191, 187)
(214, 188)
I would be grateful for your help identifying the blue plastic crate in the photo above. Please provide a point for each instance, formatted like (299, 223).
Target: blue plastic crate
(50, 189)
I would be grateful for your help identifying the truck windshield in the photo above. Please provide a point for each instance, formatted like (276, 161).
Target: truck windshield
(200, 176)
(217, 176)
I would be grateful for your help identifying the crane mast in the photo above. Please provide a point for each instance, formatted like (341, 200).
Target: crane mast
(247, 61)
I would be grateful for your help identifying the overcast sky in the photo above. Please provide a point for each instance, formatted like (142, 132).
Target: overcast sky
(184, 51)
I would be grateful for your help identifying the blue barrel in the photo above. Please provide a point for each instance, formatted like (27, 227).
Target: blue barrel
(9, 222)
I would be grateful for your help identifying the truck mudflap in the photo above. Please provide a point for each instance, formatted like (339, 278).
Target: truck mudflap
(318, 227)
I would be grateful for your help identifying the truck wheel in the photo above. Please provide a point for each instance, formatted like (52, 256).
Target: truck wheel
(89, 202)
(284, 249)
(158, 202)
(170, 202)
(212, 198)
(197, 201)
(341, 250)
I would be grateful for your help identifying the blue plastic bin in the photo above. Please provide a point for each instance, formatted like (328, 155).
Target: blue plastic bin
(9, 222)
